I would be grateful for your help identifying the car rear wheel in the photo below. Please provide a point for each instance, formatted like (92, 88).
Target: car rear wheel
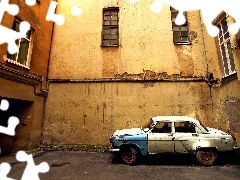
(129, 155)
(206, 157)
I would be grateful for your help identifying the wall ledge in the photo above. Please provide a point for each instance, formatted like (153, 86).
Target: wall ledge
(146, 76)
(23, 77)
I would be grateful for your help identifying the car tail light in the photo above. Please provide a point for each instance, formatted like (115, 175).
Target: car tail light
(234, 138)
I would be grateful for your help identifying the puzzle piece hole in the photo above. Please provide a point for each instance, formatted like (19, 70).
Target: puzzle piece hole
(4, 105)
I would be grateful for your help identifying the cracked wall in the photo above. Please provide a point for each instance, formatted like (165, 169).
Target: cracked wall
(94, 90)
(90, 112)
(146, 42)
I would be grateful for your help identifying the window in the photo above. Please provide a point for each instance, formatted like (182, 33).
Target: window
(184, 127)
(110, 27)
(180, 32)
(225, 48)
(162, 127)
(22, 57)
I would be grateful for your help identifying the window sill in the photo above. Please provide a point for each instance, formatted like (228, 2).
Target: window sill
(182, 43)
(109, 46)
(223, 81)
(14, 62)
(229, 78)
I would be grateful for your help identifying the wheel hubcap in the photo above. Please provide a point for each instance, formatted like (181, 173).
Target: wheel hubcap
(128, 155)
(206, 156)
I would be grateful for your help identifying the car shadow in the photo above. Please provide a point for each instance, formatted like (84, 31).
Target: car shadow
(169, 159)
(179, 159)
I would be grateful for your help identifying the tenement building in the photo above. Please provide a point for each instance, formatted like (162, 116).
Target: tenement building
(23, 75)
(118, 64)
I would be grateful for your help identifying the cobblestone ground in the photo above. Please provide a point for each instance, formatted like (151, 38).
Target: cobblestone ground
(96, 166)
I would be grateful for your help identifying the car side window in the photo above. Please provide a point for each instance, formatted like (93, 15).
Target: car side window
(162, 127)
(184, 127)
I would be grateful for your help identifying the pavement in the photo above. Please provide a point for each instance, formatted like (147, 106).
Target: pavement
(73, 165)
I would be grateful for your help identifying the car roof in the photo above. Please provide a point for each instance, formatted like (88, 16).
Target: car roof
(174, 118)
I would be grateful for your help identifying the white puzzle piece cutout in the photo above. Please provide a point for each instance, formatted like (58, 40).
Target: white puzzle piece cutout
(10, 36)
(51, 16)
(12, 121)
(12, 9)
(31, 171)
(4, 170)
(30, 2)
(210, 9)
(4, 105)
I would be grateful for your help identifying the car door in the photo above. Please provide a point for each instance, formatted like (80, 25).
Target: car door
(184, 135)
(160, 138)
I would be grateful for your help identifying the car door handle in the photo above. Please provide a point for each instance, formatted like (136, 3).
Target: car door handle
(170, 134)
(195, 134)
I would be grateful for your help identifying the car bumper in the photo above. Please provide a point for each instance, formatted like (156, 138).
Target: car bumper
(114, 150)
(237, 149)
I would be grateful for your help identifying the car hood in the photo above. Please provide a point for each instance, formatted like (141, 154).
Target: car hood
(127, 131)
(215, 131)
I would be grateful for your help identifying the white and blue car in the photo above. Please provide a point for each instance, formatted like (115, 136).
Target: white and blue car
(172, 134)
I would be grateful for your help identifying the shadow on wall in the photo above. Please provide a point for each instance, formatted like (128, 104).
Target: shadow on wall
(232, 109)
(22, 110)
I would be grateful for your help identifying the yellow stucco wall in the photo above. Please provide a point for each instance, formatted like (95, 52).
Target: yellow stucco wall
(145, 42)
(88, 111)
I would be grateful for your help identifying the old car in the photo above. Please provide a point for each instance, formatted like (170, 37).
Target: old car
(172, 134)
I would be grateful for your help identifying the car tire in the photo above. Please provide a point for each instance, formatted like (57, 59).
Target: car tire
(129, 155)
(206, 157)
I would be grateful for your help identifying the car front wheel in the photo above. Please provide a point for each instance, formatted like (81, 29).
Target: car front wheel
(129, 155)
(206, 157)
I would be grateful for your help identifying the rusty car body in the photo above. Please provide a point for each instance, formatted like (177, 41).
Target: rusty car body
(172, 134)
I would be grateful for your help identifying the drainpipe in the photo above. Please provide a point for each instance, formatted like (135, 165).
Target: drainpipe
(209, 76)
(47, 82)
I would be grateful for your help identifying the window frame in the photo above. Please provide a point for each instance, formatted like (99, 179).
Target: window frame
(14, 58)
(174, 14)
(166, 127)
(111, 27)
(224, 43)
(180, 127)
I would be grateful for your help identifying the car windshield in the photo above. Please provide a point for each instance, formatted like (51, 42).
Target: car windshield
(148, 124)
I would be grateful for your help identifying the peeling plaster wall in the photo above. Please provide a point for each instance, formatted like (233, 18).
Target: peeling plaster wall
(146, 42)
(225, 98)
(226, 105)
(90, 112)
